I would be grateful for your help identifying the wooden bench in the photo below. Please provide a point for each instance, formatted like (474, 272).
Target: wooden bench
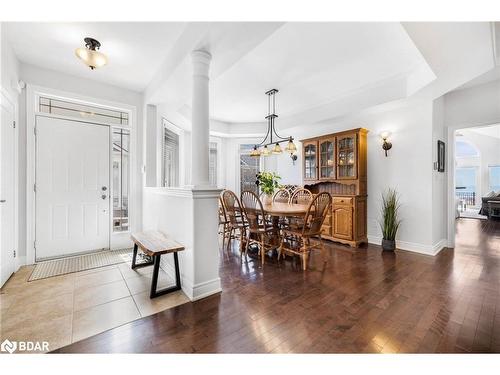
(155, 244)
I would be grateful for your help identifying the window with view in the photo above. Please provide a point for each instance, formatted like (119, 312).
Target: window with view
(249, 167)
(170, 158)
(494, 177)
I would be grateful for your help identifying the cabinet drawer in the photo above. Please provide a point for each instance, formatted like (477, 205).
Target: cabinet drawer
(342, 200)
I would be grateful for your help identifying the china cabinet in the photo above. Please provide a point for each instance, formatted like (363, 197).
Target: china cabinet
(337, 163)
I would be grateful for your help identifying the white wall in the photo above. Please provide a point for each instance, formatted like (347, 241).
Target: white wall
(54, 80)
(478, 105)
(9, 71)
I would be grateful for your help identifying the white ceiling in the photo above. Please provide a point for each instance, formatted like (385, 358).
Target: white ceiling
(313, 64)
(322, 70)
(135, 49)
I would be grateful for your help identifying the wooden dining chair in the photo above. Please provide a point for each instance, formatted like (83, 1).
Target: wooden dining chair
(301, 196)
(236, 218)
(297, 241)
(281, 196)
(260, 231)
(224, 227)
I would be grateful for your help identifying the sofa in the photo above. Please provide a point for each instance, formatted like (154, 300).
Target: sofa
(491, 196)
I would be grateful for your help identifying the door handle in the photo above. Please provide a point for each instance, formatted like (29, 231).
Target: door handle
(103, 196)
(2, 201)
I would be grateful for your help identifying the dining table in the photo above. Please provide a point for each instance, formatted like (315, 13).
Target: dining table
(282, 210)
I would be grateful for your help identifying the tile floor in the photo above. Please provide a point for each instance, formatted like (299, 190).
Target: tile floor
(65, 309)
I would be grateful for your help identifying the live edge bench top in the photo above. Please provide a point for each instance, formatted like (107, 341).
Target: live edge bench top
(156, 243)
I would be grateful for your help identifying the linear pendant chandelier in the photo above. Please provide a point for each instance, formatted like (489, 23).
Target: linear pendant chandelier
(261, 148)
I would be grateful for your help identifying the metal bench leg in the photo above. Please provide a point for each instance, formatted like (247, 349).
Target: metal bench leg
(134, 259)
(154, 281)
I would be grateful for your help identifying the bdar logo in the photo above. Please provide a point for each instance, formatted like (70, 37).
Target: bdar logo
(8, 346)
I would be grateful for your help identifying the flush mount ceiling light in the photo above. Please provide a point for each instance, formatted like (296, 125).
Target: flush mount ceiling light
(271, 130)
(90, 54)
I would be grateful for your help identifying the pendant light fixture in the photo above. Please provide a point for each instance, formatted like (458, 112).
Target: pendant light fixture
(90, 55)
(262, 148)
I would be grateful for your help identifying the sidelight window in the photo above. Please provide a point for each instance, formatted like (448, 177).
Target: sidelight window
(121, 170)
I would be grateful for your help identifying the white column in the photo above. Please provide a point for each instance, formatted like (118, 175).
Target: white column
(200, 119)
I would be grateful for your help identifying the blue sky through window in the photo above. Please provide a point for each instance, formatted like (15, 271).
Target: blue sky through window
(494, 177)
(465, 179)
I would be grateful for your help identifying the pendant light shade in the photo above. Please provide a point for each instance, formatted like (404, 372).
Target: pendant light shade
(265, 151)
(277, 149)
(90, 54)
(255, 151)
(290, 147)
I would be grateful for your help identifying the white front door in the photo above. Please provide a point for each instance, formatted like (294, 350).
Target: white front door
(72, 187)
(7, 186)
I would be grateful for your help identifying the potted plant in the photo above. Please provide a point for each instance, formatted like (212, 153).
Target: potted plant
(268, 182)
(389, 223)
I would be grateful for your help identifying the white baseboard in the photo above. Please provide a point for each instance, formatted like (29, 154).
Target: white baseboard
(20, 261)
(193, 292)
(415, 247)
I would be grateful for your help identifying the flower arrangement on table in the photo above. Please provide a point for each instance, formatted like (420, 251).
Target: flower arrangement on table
(268, 182)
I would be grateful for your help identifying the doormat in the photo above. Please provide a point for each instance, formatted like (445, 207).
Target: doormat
(51, 268)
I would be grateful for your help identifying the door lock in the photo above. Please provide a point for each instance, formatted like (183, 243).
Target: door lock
(104, 188)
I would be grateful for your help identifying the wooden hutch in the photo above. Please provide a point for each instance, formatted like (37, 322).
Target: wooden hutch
(336, 163)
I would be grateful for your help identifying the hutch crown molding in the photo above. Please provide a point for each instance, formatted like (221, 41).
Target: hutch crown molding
(337, 163)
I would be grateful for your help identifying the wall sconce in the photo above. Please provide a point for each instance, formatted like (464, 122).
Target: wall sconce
(386, 145)
(294, 158)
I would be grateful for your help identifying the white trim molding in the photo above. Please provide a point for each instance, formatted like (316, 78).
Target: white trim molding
(193, 292)
(14, 104)
(414, 247)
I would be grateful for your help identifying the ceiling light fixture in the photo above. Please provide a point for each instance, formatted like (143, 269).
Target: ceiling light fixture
(271, 130)
(90, 54)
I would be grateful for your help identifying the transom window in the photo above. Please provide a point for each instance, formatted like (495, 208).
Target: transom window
(82, 111)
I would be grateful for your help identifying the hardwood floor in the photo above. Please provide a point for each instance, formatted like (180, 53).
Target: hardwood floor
(363, 301)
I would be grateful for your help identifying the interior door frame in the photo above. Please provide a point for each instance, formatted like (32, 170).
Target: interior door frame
(5, 95)
(450, 132)
(33, 94)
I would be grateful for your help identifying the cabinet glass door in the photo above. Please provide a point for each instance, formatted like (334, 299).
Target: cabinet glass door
(346, 158)
(327, 159)
(310, 164)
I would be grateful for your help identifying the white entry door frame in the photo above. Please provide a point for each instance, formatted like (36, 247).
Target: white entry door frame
(33, 94)
(9, 257)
